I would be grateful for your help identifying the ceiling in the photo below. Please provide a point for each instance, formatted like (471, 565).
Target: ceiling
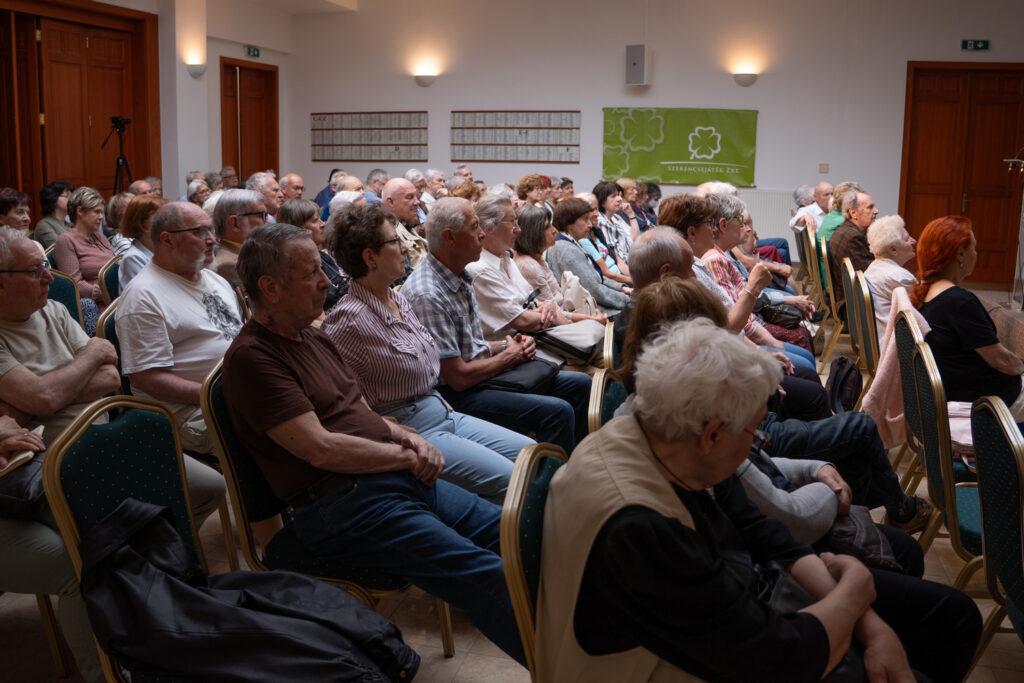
(310, 6)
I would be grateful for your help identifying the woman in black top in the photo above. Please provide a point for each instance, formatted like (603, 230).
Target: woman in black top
(963, 337)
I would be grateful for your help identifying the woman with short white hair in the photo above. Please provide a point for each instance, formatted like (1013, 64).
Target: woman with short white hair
(892, 246)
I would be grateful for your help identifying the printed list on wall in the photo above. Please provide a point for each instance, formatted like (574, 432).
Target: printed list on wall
(516, 136)
(369, 136)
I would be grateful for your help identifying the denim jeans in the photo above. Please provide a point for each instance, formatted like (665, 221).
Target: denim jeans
(478, 455)
(440, 538)
(850, 441)
(780, 243)
(796, 355)
(559, 417)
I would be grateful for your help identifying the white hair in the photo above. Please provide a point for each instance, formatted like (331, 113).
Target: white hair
(337, 178)
(341, 200)
(449, 213)
(414, 175)
(432, 172)
(885, 232)
(716, 187)
(194, 186)
(259, 180)
(211, 202)
(501, 190)
(692, 372)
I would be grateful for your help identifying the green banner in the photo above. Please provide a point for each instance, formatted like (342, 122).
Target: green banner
(680, 146)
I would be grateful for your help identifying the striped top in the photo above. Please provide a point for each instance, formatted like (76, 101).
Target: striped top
(396, 360)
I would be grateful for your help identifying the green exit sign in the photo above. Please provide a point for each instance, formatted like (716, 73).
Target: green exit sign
(974, 45)
(251, 51)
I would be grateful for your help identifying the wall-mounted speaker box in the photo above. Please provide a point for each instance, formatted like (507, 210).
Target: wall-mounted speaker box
(638, 65)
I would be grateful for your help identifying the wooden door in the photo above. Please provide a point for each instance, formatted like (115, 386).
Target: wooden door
(961, 122)
(10, 175)
(248, 111)
(86, 74)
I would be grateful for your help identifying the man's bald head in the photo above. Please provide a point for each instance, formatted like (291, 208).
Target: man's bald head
(658, 252)
(823, 195)
(401, 197)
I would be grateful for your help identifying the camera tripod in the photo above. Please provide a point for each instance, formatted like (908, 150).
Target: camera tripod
(119, 124)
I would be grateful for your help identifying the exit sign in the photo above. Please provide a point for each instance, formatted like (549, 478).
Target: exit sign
(974, 45)
(251, 51)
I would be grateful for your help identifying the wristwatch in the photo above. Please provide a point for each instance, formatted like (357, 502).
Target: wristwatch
(504, 345)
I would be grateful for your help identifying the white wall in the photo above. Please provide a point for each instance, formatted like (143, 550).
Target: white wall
(832, 89)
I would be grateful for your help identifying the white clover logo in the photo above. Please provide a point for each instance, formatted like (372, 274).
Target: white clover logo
(705, 142)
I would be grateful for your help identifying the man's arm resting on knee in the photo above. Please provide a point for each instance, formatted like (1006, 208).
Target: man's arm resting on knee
(164, 385)
(92, 373)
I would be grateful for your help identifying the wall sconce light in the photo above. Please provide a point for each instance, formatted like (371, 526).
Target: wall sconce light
(744, 80)
(195, 70)
(424, 80)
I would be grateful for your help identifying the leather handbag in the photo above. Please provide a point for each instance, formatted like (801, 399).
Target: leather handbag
(575, 343)
(531, 377)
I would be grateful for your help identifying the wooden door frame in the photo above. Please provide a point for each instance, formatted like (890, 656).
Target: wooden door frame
(259, 66)
(144, 28)
(912, 69)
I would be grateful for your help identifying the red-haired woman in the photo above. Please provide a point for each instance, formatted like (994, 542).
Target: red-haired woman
(963, 337)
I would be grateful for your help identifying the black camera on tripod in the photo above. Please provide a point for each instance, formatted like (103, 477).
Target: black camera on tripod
(119, 123)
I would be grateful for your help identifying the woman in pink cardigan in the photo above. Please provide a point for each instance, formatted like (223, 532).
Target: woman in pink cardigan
(83, 250)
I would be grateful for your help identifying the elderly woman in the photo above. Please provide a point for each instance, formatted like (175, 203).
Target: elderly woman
(502, 293)
(112, 216)
(631, 211)
(647, 575)
(305, 213)
(135, 227)
(83, 250)
(530, 190)
(572, 220)
(617, 233)
(595, 244)
(15, 210)
(198, 192)
(53, 198)
(397, 359)
(467, 189)
(963, 337)
(892, 246)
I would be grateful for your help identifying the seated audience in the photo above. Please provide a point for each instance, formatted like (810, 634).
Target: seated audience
(112, 216)
(850, 241)
(645, 575)
(746, 255)
(467, 190)
(234, 216)
(83, 250)
(363, 490)
(842, 198)
(140, 187)
(135, 226)
(323, 197)
(304, 213)
(433, 190)
(573, 221)
(53, 198)
(530, 190)
(963, 337)
(400, 197)
(375, 181)
(717, 187)
(613, 230)
(595, 243)
(813, 212)
(15, 209)
(198, 192)
(537, 234)
(892, 246)
(265, 182)
(442, 297)
(397, 361)
(631, 211)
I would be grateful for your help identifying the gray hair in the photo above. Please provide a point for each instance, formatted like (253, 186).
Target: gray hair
(414, 175)
(459, 168)
(803, 195)
(716, 187)
(501, 190)
(8, 238)
(211, 202)
(194, 186)
(212, 178)
(336, 179)
(167, 217)
(259, 180)
(263, 253)
(449, 213)
(453, 182)
(840, 191)
(848, 202)
(226, 168)
(885, 232)
(192, 175)
(490, 209)
(588, 197)
(377, 174)
(725, 379)
(653, 249)
(431, 172)
(231, 203)
(153, 180)
(341, 200)
(725, 206)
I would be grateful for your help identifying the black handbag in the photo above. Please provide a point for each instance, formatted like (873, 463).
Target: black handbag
(22, 489)
(531, 377)
(783, 315)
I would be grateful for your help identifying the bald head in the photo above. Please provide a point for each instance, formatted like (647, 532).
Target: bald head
(401, 197)
(823, 195)
(350, 183)
(658, 252)
(292, 186)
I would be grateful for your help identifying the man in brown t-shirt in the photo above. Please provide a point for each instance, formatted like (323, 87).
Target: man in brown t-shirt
(364, 490)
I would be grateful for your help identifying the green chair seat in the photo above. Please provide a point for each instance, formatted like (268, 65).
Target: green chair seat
(968, 515)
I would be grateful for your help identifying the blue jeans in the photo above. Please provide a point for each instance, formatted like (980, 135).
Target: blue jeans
(559, 417)
(440, 538)
(780, 243)
(800, 357)
(478, 455)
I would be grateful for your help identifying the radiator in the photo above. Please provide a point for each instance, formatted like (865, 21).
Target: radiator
(771, 210)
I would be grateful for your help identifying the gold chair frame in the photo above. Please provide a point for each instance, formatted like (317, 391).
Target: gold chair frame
(830, 299)
(598, 383)
(914, 472)
(609, 345)
(78, 297)
(103, 278)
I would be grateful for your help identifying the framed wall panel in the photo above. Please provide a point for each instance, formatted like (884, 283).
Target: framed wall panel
(369, 136)
(516, 136)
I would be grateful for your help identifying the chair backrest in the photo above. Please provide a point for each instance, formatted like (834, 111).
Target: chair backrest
(908, 334)
(609, 350)
(106, 329)
(866, 327)
(50, 255)
(522, 525)
(243, 303)
(606, 395)
(252, 499)
(811, 249)
(999, 454)
(110, 286)
(826, 277)
(847, 276)
(91, 468)
(801, 249)
(64, 290)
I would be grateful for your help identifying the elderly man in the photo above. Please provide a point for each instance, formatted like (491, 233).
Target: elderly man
(237, 212)
(441, 294)
(811, 215)
(363, 490)
(229, 176)
(463, 172)
(156, 185)
(323, 197)
(292, 186)
(266, 184)
(49, 372)
(176, 319)
(140, 187)
(434, 189)
(375, 182)
(419, 181)
(401, 198)
(850, 241)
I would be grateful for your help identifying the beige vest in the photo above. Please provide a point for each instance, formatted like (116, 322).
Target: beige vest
(608, 471)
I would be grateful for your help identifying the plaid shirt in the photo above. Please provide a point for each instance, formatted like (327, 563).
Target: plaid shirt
(725, 272)
(706, 278)
(848, 241)
(445, 304)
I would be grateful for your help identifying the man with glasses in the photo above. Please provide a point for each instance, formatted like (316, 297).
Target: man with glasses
(229, 176)
(292, 186)
(175, 320)
(237, 212)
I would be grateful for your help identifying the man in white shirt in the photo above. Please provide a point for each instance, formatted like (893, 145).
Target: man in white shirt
(812, 214)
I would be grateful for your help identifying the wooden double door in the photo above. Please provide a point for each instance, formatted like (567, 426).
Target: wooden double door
(248, 114)
(962, 121)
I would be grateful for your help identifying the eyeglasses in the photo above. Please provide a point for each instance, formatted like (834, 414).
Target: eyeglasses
(761, 438)
(261, 214)
(393, 240)
(203, 230)
(37, 270)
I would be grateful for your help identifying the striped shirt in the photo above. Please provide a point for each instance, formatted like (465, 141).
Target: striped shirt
(704, 276)
(396, 359)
